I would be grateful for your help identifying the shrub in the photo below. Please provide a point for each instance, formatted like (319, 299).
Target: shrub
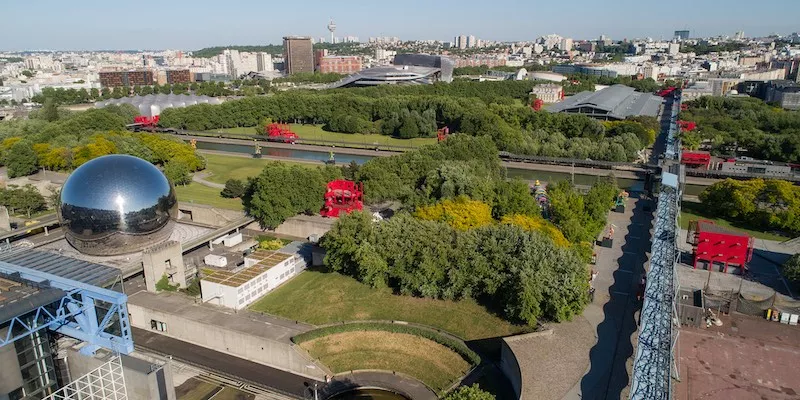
(473, 392)
(163, 285)
(234, 188)
(791, 269)
(273, 244)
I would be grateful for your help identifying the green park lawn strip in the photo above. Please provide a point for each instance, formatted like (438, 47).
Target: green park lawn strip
(197, 193)
(315, 132)
(322, 298)
(223, 167)
(430, 362)
(694, 211)
(194, 389)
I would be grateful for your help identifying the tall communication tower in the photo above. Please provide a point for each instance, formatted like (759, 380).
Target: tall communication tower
(331, 27)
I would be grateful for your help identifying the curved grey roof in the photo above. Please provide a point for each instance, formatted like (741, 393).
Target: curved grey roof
(391, 74)
(152, 104)
(613, 102)
(414, 69)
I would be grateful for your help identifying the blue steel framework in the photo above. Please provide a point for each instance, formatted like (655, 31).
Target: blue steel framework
(653, 365)
(76, 314)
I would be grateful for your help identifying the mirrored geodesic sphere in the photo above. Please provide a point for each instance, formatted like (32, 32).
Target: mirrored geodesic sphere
(117, 204)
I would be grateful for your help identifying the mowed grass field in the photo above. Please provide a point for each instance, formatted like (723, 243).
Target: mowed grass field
(322, 298)
(197, 193)
(315, 132)
(223, 167)
(430, 362)
(694, 211)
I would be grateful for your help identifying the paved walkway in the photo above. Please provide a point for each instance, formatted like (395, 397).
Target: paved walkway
(199, 177)
(613, 311)
(273, 378)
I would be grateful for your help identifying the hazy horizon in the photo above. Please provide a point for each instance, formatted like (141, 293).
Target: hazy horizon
(90, 25)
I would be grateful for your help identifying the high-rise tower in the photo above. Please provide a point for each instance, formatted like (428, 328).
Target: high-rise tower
(331, 27)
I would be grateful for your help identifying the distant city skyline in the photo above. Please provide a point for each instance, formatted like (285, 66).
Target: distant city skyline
(89, 25)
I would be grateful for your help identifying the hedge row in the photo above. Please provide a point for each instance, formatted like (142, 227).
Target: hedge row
(453, 344)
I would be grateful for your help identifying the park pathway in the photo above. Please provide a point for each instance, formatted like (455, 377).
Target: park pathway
(199, 177)
(614, 309)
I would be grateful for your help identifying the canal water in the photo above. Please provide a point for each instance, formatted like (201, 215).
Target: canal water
(368, 394)
(341, 158)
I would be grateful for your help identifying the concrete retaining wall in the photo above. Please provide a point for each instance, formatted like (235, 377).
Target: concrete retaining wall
(207, 215)
(277, 354)
(303, 226)
(510, 367)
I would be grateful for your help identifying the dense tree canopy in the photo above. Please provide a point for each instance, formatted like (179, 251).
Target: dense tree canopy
(24, 200)
(581, 217)
(281, 191)
(763, 204)
(472, 108)
(74, 138)
(727, 125)
(461, 213)
(521, 272)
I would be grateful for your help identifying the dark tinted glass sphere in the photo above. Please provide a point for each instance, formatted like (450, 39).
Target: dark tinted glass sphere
(117, 204)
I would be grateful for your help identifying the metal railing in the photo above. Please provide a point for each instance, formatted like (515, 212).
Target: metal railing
(654, 359)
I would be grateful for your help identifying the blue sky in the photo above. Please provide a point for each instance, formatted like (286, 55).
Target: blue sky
(179, 24)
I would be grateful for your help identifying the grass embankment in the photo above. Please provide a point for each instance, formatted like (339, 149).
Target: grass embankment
(197, 193)
(223, 168)
(323, 298)
(315, 132)
(430, 362)
(691, 211)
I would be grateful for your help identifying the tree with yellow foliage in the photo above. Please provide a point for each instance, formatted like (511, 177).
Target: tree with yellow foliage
(460, 213)
(99, 147)
(537, 224)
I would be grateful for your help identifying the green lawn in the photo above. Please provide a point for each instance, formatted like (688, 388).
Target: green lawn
(321, 298)
(194, 389)
(693, 211)
(424, 359)
(315, 132)
(197, 193)
(223, 168)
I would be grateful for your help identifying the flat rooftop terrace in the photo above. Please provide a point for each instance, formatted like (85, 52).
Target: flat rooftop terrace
(235, 278)
(745, 358)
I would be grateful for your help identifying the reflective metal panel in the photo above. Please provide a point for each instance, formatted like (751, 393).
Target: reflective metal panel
(117, 204)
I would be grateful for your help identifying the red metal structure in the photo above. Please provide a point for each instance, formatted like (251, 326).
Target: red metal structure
(342, 196)
(538, 104)
(687, 126)
(719, 246)
(666, 92)
(280, 133)
(145, 123)
(442, 133)
(696, 159)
